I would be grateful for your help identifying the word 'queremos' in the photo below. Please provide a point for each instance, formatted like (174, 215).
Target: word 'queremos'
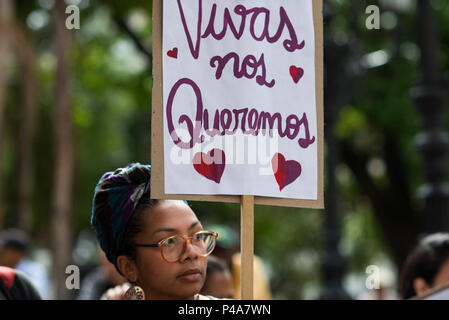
(228, 122)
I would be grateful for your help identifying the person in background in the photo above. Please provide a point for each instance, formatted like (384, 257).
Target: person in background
(14, 245)
(15, 285)
(228, 249)
(101, 279)
(426, 267)
(218, 279)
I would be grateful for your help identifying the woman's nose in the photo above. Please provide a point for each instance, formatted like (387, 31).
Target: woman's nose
(190, 252)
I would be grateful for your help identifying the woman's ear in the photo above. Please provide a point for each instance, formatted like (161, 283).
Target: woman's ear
(127, 267)
(420, 285)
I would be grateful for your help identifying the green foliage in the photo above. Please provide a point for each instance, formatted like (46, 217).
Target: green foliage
(111, 99)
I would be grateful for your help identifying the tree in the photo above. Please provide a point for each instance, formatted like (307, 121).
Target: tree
(63, 180)
(6, 12)
(27, 56)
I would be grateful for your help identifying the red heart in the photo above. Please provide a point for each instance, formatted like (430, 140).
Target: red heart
(173, 53)
(296, 73)
(285, 172)
(210, 165)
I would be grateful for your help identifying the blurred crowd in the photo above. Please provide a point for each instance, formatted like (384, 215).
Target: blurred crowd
(22, 277)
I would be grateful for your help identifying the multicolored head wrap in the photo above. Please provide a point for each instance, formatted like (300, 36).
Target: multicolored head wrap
(117, 195)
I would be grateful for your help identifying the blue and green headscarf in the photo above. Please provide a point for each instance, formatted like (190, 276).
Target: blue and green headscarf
(117, 195)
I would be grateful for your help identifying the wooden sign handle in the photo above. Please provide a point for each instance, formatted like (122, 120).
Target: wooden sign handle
(247, 248)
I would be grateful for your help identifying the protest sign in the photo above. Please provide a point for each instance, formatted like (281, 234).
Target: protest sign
(237, 106)
(237, 101)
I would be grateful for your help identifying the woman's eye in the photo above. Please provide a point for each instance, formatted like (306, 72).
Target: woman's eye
(198, 237)
(170, 242)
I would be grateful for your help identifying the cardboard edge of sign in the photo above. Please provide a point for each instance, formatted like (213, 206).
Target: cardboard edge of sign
(157, 136)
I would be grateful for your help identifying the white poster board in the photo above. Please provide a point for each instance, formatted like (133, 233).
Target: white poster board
(239, 98)
(240, 104)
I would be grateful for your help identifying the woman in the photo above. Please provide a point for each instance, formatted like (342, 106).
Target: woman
(159, 246)
(426, 267)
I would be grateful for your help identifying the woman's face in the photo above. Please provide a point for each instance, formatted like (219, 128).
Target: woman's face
(158, 278)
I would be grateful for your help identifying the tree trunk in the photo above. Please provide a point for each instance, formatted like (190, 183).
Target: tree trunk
(391, 204)
(6, 11)
(27, 55)
(432, 141)
(64, 155)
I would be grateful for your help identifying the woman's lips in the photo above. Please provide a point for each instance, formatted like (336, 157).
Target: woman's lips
(191, 275)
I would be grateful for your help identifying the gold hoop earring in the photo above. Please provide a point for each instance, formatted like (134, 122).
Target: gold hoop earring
(135, 293)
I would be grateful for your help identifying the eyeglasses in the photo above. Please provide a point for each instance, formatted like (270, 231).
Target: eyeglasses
(172, 248)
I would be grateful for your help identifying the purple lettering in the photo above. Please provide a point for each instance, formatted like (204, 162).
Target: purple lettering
(289, 45)
(226, 123)
(251, 62)
(219, 63)
(194, 48)
(248, 62)
(267, 117)
(242, 117)
(292, 44)
(227, 21)
(307, 141)
(253, 119)
(236, 113)
(256, 12)
(262, 79)
(292, 123)
(195, 132)
(216, 127)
